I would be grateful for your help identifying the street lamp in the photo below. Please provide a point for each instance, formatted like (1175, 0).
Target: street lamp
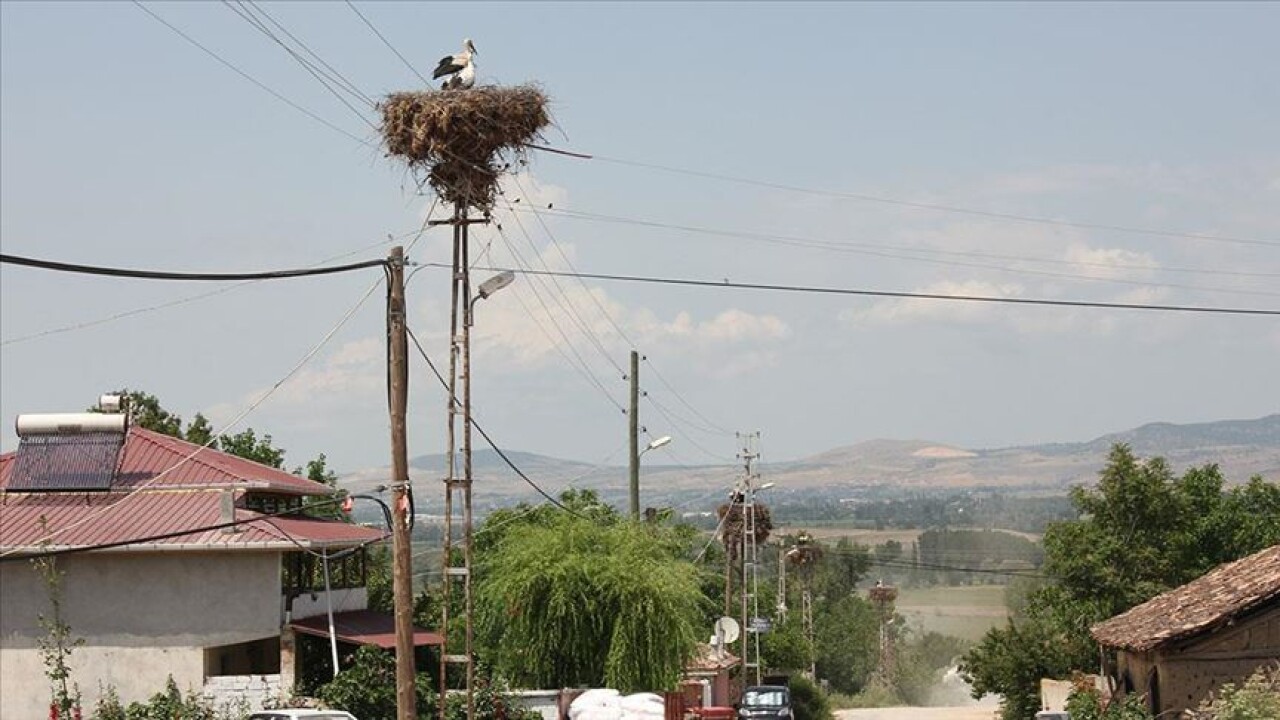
(664, 440)
(488, 288)
(635, 471)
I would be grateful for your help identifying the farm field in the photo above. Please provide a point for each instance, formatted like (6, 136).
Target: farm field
(963, 611)
(864, 536)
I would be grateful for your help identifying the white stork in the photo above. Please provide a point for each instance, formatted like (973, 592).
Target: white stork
(460, 67)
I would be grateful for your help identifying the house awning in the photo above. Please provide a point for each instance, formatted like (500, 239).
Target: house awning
(363, 627)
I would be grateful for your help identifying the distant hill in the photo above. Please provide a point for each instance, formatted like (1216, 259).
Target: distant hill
(1243, 448)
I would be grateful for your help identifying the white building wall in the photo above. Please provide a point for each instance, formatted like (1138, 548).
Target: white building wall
(143, 617)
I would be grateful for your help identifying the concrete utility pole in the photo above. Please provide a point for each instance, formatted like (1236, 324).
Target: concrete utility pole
(634, 422)
(402, 569)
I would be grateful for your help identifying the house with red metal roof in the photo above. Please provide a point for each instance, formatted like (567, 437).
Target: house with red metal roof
(177, 560)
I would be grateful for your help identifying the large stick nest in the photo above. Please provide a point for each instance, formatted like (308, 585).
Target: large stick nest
(460, 141)
(731, 533)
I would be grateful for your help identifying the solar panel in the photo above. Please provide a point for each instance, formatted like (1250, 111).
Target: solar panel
(66, 462)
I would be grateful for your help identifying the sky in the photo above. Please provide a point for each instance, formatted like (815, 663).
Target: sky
(122, 144)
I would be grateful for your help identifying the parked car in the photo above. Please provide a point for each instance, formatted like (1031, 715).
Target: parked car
(302, 714)
(765, 702)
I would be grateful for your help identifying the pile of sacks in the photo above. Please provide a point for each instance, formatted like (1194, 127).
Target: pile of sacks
(605, 704)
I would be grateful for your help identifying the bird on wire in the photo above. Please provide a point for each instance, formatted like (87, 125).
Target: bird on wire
(460, 68)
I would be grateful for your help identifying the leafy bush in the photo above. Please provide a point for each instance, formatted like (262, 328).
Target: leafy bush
(367, 689)
(1257, 699)
(1085, 703)
(167, 704)
(874, 695)
(808, 702)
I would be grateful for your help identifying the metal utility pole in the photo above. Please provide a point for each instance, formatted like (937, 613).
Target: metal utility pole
(460, 354)
(402, 568)
(882, 597)
(751, 586)
(633, 417)
(782, 583)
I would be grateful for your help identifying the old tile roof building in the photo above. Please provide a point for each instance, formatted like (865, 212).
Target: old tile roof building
(1182, 645)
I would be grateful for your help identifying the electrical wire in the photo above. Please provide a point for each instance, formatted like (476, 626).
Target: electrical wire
(561, 297)
(820, 290)
(387, 42)
(183, 300)
(169, 275)
(582, 366)
(489, 440)
(331, 80)
(720, 429)
(250, 78)
(878, 250)
(590, 294)
(228, 426)
(864, 197)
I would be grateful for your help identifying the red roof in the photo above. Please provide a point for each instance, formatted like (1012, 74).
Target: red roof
(80, 519)
(365, 627)
(164, 486)
(158, 461)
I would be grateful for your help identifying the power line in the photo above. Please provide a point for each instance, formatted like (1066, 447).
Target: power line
(864, 197)
(170, 275)
(250, 78)
(566, 304)
(511, 464)
(875, 250)
(819, 290)
(387, 42)
(227, 427)
(330, 79)
(581, 365)
(599, 305)
(180, 301)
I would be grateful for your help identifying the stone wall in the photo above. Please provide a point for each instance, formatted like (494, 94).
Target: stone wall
(252, 692)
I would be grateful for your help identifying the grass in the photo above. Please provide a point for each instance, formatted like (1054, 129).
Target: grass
(966, 611)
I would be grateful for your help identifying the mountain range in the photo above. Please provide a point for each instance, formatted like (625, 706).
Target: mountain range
(1242, 448)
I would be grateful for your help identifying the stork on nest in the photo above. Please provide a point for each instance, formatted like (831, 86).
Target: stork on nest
(459, 141)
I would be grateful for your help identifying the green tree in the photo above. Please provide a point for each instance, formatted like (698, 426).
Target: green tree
(848, 632)
(808, 702)
(574, 601)
(248, 445)
(785, 648)
(1142, 531)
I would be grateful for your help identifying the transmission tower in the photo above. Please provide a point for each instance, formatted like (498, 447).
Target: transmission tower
(804, 557)
(459, 569)
(882, 597)
(750, 557)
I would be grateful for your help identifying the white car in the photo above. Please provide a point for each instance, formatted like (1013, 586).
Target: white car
(301, 714)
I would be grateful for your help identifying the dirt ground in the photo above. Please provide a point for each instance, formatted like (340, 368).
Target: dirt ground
(969, 712)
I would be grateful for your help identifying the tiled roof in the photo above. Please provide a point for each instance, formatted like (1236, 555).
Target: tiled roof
(159, 461)
(105, 518)
(165, 486)
(1225, 592)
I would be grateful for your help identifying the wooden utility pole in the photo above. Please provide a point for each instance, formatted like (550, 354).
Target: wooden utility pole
(402, 569)
(634, 421)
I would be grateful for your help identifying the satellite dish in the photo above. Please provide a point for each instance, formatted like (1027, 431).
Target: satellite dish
(727, 630)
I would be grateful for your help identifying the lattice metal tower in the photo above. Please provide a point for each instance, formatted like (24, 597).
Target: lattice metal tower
(459, 569)
(883, 597)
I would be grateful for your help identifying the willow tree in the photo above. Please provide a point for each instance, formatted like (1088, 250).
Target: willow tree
(573, 601)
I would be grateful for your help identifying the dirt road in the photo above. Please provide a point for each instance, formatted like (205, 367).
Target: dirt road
(970, 712)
